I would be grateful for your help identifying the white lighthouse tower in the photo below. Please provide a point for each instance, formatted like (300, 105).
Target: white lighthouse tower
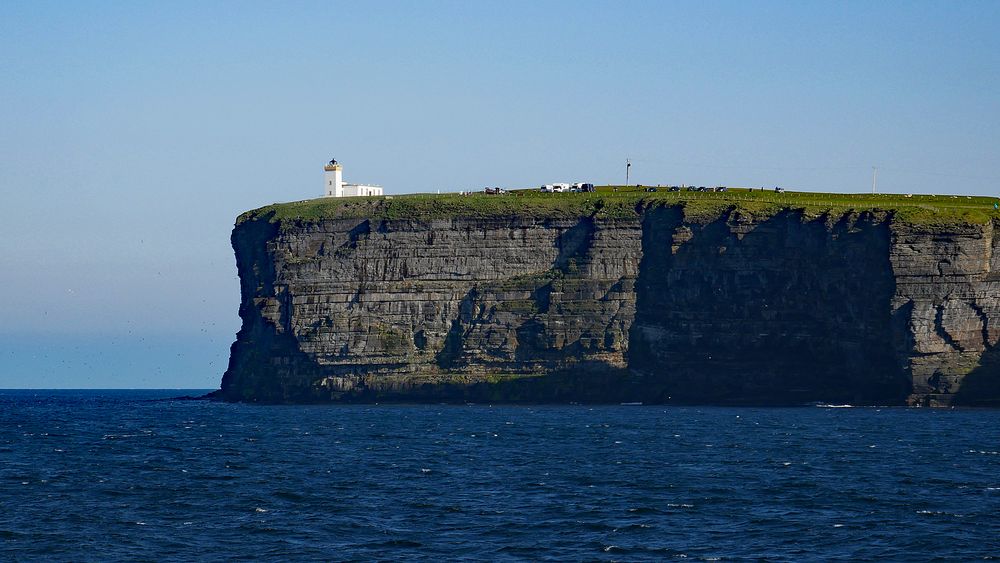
(333, 179)
(334, 186)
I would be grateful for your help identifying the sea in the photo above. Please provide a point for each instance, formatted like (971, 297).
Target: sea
(142, 476)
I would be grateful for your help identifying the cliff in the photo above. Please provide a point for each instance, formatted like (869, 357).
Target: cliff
(612, 298)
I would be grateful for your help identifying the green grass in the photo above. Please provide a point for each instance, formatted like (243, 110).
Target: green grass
(628, 202)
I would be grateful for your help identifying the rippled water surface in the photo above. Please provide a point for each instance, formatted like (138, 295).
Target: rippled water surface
(97, 476)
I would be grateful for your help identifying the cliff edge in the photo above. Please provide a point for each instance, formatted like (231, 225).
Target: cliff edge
(617, 297)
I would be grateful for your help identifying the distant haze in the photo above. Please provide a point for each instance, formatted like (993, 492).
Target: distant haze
(134, 133)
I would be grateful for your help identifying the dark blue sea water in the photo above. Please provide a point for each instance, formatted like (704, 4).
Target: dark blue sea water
(110, 475)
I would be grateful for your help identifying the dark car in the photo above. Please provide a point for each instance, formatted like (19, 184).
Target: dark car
(650, 189)
(587, 188)
(721, 189)
(692, 189)
(674, 189)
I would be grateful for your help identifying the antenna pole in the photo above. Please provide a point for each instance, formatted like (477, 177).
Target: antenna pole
(628, 166)
(874, 177)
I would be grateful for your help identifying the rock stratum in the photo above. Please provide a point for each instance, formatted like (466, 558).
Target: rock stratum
(656, 305)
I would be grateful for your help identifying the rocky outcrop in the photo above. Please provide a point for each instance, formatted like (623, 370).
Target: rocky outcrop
(946, 310)
(654, 307)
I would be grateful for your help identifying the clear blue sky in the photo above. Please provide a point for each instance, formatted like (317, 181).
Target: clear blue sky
(133, 133)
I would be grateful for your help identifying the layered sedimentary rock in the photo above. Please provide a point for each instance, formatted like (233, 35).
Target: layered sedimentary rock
(946, 310)
(654, 307)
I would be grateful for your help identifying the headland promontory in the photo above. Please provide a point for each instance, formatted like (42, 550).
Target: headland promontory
(620, 295)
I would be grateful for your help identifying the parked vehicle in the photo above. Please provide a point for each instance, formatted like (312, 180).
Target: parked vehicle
(674, 189)
(779, 190)
(721, 189)
(589, 188)
(651, 189)
(546, 188)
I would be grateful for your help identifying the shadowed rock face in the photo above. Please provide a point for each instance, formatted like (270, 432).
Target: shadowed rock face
(768, 310)
(778, 310)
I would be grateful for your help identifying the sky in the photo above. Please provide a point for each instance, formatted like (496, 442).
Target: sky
(133, 133)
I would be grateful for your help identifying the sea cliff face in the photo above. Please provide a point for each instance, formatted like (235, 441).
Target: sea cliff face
(652, 306)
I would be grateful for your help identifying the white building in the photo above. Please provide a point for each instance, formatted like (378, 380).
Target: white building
(334, 186)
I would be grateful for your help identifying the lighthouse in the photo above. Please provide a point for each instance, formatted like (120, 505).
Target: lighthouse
(334, 186)
(333, 179)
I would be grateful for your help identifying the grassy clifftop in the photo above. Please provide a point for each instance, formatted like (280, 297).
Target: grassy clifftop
(622, 202)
